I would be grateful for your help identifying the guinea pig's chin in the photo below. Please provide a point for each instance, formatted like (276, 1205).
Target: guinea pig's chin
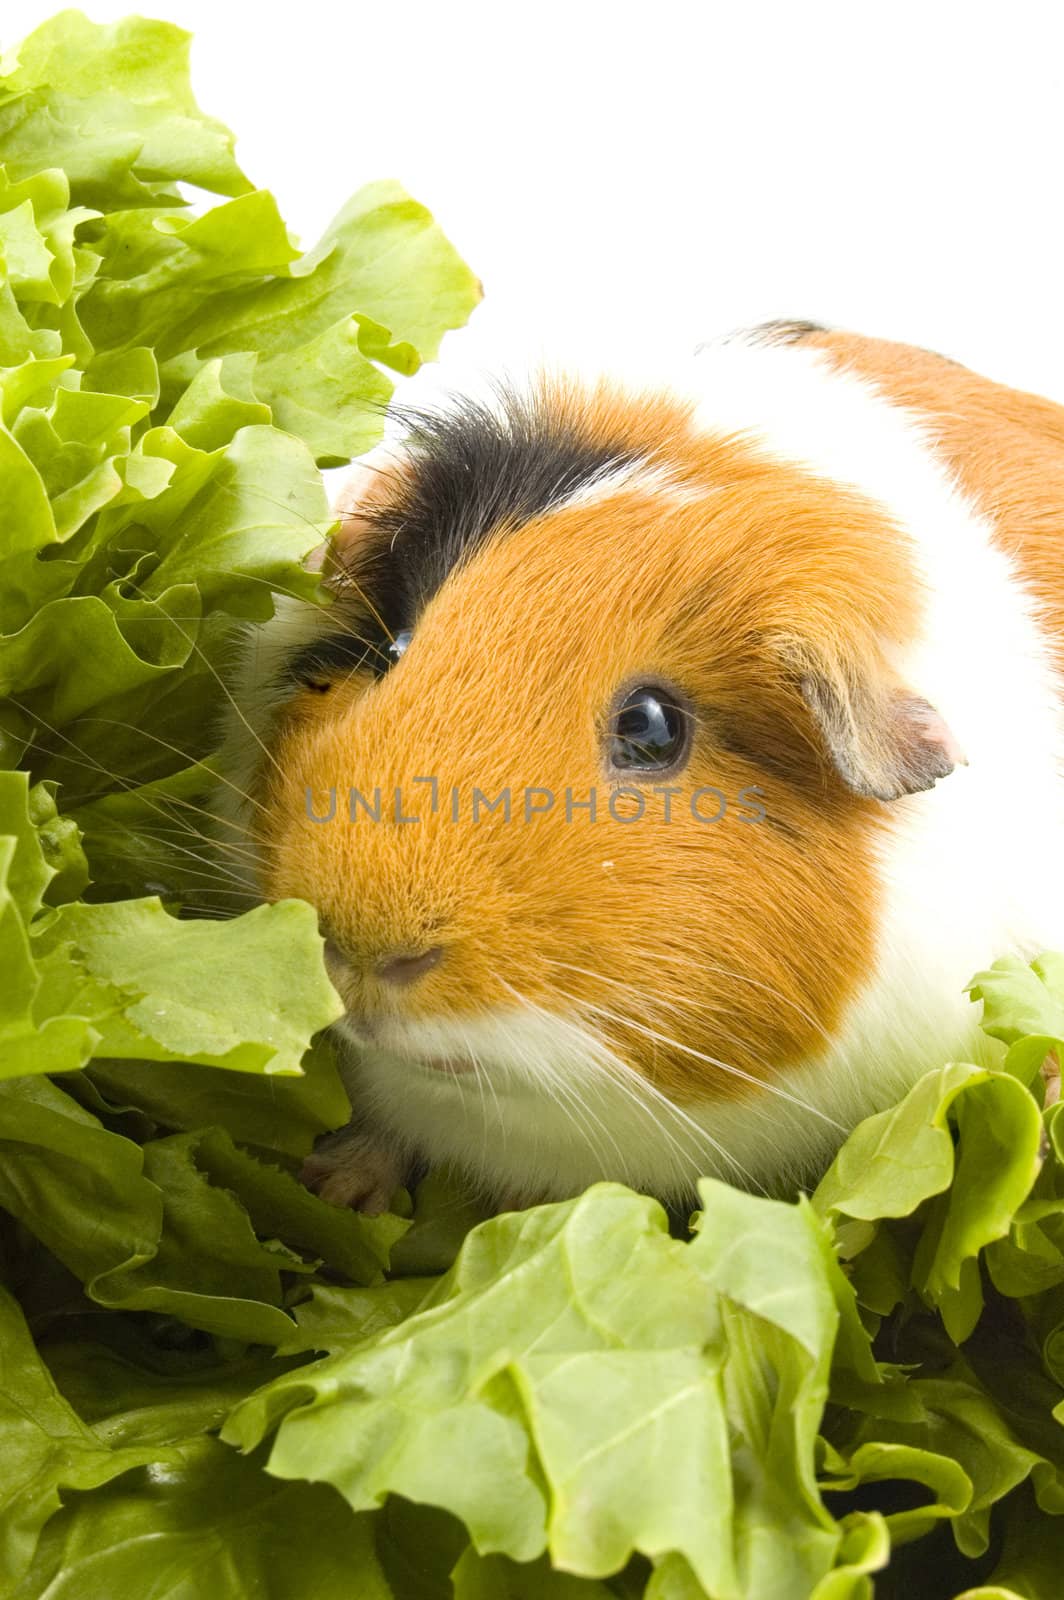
(512, 1048)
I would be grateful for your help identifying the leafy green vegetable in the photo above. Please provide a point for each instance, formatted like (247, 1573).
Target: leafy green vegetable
(585, 1402)
(46, 1446)
(169, 378)
(213, 1383)
(210, 1521)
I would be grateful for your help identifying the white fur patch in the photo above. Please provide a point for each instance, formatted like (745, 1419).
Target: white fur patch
(547, 1109)
(653, 480)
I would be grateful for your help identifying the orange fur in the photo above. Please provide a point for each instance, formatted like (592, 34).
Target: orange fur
(515, 661)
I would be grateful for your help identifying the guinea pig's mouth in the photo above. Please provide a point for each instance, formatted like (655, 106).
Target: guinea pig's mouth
(391, 1039)
(500, 1050)
(455, 1066)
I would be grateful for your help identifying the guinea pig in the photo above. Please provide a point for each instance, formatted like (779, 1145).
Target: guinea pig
(667, 761)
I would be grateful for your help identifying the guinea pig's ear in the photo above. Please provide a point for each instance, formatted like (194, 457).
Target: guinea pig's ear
(883, 739)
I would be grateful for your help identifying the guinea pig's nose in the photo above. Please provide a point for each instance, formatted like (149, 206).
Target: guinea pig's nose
(400, 967)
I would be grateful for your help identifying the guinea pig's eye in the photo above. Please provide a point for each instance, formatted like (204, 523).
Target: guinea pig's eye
(401, 643)
(649, 731)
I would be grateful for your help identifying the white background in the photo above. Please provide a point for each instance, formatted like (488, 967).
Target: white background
(627, 177)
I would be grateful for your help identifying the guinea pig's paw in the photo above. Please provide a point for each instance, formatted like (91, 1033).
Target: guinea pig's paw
(355, 1168)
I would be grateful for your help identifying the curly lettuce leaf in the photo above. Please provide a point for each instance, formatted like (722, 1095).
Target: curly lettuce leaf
(126, 980)
(113, 107)
(168, 377)
(605, 1388)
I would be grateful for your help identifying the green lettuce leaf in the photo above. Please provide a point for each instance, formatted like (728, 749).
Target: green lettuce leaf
(605, 1388)
(47, 1448)
(212, 1524)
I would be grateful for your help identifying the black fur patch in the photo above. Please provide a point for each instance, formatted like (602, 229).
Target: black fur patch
(783, 330)
(471, 473)
(337, 655)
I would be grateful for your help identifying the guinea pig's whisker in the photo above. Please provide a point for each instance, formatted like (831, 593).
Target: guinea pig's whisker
(572, 1103)
(776, 994)
(213, 914)
(238, 851)
(700, 967)
(83, 759)
(256, 841)
(591, 1046)
(563, 1095)
(581, 1114)
(639, 1091)
(693, 1005)
(170, 839)
(187, 826)
(278, 505)
(181, 825)
(713, 1061)
(343, 577)
(651, 1006)
(624, 1077)
(479, 1076)
(213, 869)
(216, 675)
(499, 1118)
(116, 722)
(636, 1089)
(91, 764)
(574, 1107)
(337, 623)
